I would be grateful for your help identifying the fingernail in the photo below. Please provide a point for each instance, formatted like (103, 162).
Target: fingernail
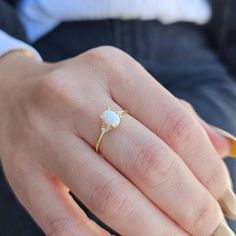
(230, 137)
(228, 203)
(223, 230)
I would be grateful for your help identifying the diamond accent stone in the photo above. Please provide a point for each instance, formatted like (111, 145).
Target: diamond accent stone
(111, 118)
(105, 127)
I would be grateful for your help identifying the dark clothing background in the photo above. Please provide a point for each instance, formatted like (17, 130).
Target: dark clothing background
(221, 28)
(9, 21)
(193, 62)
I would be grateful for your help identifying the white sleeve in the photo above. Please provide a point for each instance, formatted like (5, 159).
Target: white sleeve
(8, 43)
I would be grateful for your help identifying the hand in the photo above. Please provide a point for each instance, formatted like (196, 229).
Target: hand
(160, 174)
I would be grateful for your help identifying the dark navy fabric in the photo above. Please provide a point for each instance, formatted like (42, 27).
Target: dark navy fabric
(222, 26)
(9, 21)
(180, 56)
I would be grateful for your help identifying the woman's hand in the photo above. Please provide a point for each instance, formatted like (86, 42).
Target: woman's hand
(159, 174)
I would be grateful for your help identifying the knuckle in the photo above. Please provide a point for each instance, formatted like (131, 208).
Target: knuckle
(60, 227)
(187, 105)
(52, 83)
(152, 164)
(102, 54)
(113, 63)
(109, 50)
(205, 217)
(179, 129)
(217, 179)
(55, 87)
(108, 197)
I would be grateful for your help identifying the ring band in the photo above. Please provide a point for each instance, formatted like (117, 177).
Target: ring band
(110, 120)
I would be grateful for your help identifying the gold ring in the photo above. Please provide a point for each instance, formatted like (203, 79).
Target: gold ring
(110, 120)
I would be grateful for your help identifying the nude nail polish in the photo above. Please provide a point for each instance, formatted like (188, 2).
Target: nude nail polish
(229, 136)
(223, 230)
(228, 203)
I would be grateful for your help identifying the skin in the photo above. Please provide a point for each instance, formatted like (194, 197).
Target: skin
(160, 171)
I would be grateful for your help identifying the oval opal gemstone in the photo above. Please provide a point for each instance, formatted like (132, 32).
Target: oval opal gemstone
(111, 118)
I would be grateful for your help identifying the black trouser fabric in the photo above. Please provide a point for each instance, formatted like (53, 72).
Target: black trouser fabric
(179, 56)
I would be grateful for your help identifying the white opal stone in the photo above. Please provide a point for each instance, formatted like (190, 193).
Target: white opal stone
(111, 118)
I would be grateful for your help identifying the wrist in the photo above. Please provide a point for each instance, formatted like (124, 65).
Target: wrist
(16, 60)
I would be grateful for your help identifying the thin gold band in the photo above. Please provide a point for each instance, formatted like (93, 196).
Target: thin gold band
(99, 141)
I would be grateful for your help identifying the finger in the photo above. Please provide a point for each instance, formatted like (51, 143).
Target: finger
(51, 206)
(151, 104)
(223, 230)
(229, 137)
(223, 142)
(154, 168)
(106, 192)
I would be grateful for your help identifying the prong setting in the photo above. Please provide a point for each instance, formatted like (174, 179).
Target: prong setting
(110, 120)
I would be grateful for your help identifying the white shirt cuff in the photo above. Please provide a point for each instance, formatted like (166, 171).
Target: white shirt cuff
(8, 43)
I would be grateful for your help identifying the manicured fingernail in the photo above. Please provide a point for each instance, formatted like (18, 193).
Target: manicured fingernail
(223, 230)
(228, 203)
(230, 137)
